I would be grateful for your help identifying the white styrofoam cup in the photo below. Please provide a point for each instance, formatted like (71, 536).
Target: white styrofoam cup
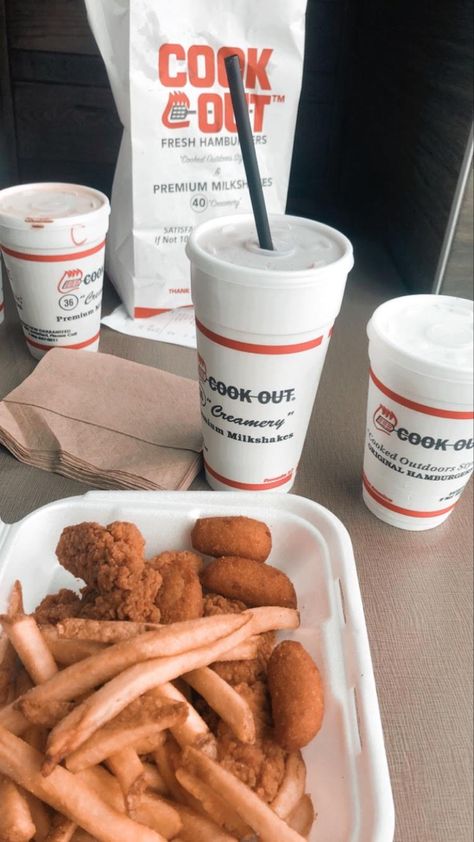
(419, 435)
(52, 236)
(264, 321)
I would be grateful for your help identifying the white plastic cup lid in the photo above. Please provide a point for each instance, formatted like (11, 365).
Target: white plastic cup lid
(57, 203)
(303, 248)
(427, 334)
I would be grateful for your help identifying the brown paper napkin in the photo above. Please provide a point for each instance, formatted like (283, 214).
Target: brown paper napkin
(106, 421)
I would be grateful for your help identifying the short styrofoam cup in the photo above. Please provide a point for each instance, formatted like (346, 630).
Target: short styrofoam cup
(419, 434)
(52, 237)
(264, 320)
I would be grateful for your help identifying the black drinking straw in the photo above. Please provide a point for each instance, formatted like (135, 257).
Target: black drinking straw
(247, 147)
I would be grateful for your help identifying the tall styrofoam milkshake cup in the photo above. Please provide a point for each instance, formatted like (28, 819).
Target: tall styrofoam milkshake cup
(419, 436)
(52, 237)
(264, 320)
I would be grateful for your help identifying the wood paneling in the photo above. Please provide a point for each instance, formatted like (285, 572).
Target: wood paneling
(77, 123)
(8, 163)
(50, 26)
(411, 113)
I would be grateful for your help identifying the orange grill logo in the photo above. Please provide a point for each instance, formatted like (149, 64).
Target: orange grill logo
(384, 419)
(70, 280)
(175, 115)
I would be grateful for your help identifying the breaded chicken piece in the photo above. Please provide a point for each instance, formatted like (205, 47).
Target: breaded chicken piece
(296, 693)
(180, 596)
(59, 606)
(262, 765)
(121, 584)
(241, 536)
(214, 604)
(248, 672)
(249, 581)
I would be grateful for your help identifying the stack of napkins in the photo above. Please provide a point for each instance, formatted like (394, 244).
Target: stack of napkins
(106, 421)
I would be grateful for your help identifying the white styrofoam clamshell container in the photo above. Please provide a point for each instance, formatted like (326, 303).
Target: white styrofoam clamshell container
(347, 767)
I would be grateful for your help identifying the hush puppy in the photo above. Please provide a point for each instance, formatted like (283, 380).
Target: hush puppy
(239, 536)
(296, 693)
(249, 581)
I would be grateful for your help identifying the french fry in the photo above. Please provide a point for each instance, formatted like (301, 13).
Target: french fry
(198, 828)
(157, 814)
(153, 779)
(62, 830)
(225, 701)
(26, 638)
(105, 785)
(102, 631)
(67, 652)
(193, 731)
(302, 816)
(147, 745)
(272, 618)
(124, 731)
(8, 656)
(40, 816)
(107, 702)
(292, 787)
(246, 651)
(8, 667)
(163, 757)
(175, 639)
(48, 715)
(81, 836)
(16, 824)
(243, 800)
(128, 769)
(68, 794)
(213, 804)
(13, 720)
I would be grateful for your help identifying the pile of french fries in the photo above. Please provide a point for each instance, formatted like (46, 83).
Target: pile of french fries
(87, 705)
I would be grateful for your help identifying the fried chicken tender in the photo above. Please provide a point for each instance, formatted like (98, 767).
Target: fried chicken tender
(240, 536)
(246, 580)
(214, 604)
(180, 596)
(121, 585)
(296, 693)
(59, 606)
(262, 765)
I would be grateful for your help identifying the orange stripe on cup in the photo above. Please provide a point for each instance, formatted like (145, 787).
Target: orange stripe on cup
(148, 312)
(398, 509)
(53, 258)
(420, 407)
(249, 486)
(75, 347)
(250, 348)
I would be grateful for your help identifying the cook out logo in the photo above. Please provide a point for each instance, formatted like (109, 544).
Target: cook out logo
(201, 66)
(384, 419)
(70, 280)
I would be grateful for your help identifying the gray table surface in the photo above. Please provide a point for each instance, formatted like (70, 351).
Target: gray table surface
(416, 587)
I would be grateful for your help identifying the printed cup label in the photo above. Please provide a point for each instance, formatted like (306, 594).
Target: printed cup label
(58, 301)
(416, 462)
(255, 407)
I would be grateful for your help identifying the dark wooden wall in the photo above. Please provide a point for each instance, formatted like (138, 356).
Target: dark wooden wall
(382, 127)
(408, 124)
(65, 122)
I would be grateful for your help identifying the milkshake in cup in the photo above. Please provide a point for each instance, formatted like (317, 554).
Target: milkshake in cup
(264, 319)
(52, 237)
(419, 437)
